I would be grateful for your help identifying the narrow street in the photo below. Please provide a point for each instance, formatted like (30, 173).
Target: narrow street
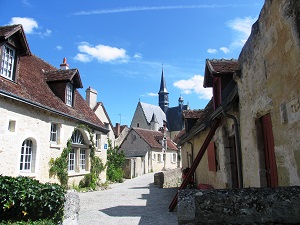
(136, 201)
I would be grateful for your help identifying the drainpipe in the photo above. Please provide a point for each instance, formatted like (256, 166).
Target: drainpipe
(237, 146)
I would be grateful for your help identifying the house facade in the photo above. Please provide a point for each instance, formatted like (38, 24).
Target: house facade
(148, 151)
(41, 110)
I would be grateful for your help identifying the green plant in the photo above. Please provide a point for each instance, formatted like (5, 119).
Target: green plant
(59, 166)
(23, 199)
(115, 162)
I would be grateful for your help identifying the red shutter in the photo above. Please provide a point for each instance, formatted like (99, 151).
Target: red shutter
(211, 157)
(270, 160)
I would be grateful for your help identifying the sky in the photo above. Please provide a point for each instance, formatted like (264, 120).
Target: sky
(120, 47)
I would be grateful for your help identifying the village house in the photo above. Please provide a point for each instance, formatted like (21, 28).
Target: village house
(248, 135)
(148, 151)
(41, 110)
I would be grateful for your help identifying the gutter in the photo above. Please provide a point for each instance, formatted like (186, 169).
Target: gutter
(31, 103)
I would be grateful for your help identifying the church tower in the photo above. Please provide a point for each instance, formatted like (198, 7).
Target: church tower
(163, 95)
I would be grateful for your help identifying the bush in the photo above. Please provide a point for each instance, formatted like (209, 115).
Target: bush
(115, 162)
(23, 199)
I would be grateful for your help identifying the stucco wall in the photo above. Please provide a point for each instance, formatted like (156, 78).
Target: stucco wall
(139, 118)
(34, 124)
(269, 83)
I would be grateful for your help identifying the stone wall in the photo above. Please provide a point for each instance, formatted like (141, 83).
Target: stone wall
(71, 208)
(239, 206)
(168, 179)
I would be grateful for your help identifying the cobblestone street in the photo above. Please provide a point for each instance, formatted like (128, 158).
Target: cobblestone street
(136, 201)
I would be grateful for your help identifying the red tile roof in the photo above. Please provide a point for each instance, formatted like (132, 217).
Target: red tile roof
(31, 88)
(153, 137)
(192, 114)
(218, 67)
(64, 75)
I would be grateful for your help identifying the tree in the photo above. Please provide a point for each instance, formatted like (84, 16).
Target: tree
(115, 162)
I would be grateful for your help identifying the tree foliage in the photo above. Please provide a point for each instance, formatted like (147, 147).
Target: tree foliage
(115, 162)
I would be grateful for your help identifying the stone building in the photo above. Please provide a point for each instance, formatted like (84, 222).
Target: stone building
(148, 151)
(40, 110)
(250, 138)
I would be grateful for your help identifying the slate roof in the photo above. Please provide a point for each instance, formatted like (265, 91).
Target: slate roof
(152, 138)
(217, 67)
(31, 88)
(149, 109)
(174, 118)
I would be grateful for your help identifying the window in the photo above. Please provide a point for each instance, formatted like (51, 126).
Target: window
(98, 141)
(7, 62)
(12, 125)
(71, 164)
(153, 156)
(82, 159)
(26, 156)
(159, 157)
(174, 157)
(54, 133)
(69, 94)
(78, 157)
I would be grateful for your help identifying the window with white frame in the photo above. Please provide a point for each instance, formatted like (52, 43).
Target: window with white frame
(174, 158)
(69, 94)
(26, 159)
(72, 158)
(82, 159)
(78, 157)
(54, 133)
(7, 62)
(159, 157)
(153, 156)
(98, 141)
(12, 125)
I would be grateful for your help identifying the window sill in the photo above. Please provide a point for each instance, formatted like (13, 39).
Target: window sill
(27, 174)
(55, 145)
(75, 174)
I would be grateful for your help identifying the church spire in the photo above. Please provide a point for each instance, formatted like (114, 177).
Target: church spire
(163, 95)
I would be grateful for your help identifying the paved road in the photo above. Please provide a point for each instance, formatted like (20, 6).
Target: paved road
(136, 201)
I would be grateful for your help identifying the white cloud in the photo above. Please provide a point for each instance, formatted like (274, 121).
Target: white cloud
(194, 85)
(212, 51)
(29, 24)
(102, 53)
(27, 3)
(225, 50)
(150, 8)
(58, 47)
(152, 94)
(242, 29)
(137, 56)
(83, 58)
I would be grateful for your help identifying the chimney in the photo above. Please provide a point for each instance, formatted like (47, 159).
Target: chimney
(118, 129)
(64, 65)
(91, 97)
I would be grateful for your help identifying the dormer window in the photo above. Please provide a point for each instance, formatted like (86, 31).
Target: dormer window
(7, 62)
(69, 94)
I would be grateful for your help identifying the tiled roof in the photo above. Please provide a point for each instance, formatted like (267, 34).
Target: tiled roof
(31, 88)
(192, 114)
(218, 67)
(7, 31)
(64, 75)
(152, 138)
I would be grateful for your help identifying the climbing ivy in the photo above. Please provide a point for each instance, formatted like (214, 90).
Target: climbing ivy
(59, 166)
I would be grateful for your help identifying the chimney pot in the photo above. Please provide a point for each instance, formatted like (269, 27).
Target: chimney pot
(64, 65)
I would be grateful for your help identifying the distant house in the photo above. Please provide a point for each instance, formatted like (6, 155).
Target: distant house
(121, 132)
(40, 110)
(144, 150)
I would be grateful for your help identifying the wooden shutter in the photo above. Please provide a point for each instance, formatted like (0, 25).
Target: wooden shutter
(211, 157)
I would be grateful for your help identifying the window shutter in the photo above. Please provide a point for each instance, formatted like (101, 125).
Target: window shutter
(211, 157)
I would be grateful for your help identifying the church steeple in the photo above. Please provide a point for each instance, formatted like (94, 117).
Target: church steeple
(163, 95)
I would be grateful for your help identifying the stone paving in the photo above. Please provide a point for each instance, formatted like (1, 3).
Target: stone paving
(136, 201)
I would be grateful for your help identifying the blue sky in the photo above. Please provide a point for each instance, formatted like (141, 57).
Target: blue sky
(121, 46)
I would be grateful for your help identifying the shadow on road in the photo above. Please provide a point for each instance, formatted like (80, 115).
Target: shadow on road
(156, 210)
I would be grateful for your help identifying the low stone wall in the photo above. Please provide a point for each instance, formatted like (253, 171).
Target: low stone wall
(71, 208)
(168, 179)
(239, 206)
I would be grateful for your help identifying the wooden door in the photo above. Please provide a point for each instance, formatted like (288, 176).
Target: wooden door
(270, 160)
